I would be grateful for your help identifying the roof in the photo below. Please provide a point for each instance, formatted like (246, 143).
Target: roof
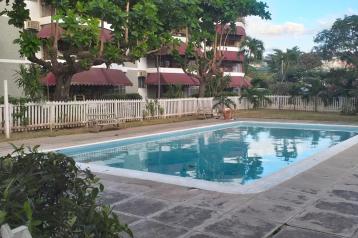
(239, 30)
(239, 82)
(171, 79)
(48, 30)
(93, 77)
(233, 56)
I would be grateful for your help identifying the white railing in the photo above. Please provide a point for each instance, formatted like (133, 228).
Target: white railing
(33, 116)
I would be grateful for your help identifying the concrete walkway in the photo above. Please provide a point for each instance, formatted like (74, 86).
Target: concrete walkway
(319, 203)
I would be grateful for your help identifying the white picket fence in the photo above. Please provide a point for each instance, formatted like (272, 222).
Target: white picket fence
(33, 116)
(75, 114)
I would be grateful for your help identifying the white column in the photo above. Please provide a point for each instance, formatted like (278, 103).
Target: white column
(7, 116)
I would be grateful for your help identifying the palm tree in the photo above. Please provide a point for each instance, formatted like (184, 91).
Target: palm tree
(223, 101)
(255, 96)
(254, 50)
(281, 62)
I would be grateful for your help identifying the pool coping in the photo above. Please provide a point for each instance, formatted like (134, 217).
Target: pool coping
(258, 186)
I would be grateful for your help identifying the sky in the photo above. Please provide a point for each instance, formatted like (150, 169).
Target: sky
(296, 22)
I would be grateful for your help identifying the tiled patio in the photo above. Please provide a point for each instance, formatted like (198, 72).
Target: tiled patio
(319, 203)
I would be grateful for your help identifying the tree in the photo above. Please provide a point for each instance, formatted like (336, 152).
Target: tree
(28, 78)
(281, 63)
(341, 41)
(210, 29)
(77, 42)
(254, 50)
(255, 96)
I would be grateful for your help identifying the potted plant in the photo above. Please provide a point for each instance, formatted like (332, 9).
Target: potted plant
(225, 105)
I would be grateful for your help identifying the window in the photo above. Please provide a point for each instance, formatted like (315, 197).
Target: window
(141, 80)
(122, 89)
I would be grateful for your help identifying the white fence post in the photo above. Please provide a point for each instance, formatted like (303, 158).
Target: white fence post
(52, 115)
(6, 111)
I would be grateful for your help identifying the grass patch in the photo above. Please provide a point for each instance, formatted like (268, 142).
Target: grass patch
(297, 115)
(70, 131)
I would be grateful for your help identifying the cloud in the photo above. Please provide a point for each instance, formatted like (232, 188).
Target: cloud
(257, 26)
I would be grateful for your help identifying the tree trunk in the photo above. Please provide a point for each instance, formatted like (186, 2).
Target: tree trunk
(63, 85)
(202, 88)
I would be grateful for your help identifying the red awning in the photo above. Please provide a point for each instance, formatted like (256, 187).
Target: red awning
(93, 77)
(239, 30)
(167, 50)
(239, 82)
(171, 79)
(233, 56)
(48, 30)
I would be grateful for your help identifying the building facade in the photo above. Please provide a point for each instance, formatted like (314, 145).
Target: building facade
(147, 78)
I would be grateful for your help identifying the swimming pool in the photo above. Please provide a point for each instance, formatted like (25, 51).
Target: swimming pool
(236, 156)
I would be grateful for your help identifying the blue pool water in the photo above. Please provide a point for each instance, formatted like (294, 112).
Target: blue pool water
(241, 152)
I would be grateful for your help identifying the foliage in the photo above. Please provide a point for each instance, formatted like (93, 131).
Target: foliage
(152, 108)
(28, 78)
(254, 50)
(15, 100)
(340, 41)
(128, 96)
(54, 198)
(255, 96)
(139, 27)
(202, 58)
(174, 91)
(217, 85)
(281, 63)
(222, 101)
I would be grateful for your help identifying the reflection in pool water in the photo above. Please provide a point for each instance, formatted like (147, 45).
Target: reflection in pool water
(239, 154)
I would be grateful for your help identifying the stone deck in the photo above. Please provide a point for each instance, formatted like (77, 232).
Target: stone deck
(319, 203)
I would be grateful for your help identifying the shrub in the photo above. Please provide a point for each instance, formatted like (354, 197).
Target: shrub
(54, 198)
(128, 96)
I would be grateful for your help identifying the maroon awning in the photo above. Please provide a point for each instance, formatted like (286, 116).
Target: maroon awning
(167, 50)
(93, 77)
(239, 82)
(171, 79)
(239, 30)
(233, 56)
(48, 30)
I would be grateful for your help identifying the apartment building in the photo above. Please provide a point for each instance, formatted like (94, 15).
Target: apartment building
(144, 77)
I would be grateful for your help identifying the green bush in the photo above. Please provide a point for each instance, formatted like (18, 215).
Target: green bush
(15, 100)
(128, 96)
(54, 198)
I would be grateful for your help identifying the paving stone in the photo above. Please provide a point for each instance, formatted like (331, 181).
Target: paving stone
(344, 194)
(185, 216)
(287, 196)
(173, 193)
(140, 206)
(109, 197)
(200, 235)
(129, 185)
(304, 183)
(267, 210)
(219, 201)
(293, 232)
(325, 170)
(327, 222)
(242, 227)
(345, 208)
(127, 219)
(151, 229)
